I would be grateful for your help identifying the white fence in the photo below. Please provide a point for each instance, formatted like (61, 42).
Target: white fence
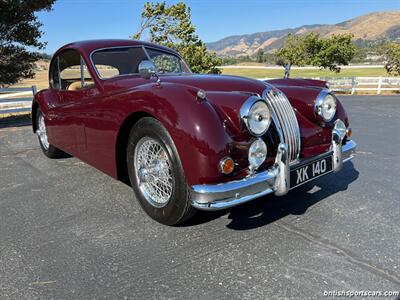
(300, 68)
(13, 102)
(355, 84)
(361, 84)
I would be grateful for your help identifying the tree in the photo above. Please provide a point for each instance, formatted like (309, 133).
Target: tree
(335, 51)
(292, 53)
(311, 49)
(44, 56)
(19, 29)
(171, 26)
(391, 53)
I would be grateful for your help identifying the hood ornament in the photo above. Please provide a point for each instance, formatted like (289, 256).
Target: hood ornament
(287, 70)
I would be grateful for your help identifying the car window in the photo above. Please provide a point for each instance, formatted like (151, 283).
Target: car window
(69, 72)
(107, 71)
(118, 61)
(166, 62)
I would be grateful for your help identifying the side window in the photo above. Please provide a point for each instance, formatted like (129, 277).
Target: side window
(69, 72)
(106, 71)
(118, 61)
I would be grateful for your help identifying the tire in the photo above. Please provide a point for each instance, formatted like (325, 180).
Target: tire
(48, 149)
(159, 182)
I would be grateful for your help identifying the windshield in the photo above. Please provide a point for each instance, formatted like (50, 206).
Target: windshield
(114, 62)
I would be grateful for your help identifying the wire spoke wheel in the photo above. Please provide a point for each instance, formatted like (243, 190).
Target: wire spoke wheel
(41, 132)
(153, 172)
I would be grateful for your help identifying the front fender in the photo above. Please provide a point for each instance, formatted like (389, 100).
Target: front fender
(195, 127)
(315, 137)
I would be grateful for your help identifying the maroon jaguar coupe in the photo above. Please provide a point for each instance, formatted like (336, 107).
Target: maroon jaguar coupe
(185, 141)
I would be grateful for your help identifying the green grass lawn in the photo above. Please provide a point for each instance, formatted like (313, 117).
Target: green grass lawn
(262, 73)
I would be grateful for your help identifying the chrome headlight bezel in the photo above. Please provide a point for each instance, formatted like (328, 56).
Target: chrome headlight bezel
(247, 115)
(320, 106)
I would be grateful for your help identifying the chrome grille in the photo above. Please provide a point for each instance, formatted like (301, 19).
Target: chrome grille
(285, 120)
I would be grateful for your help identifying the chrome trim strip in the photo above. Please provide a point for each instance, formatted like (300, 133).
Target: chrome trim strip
(231, 203)
(82, 72)
(275, 180)
(147, 54)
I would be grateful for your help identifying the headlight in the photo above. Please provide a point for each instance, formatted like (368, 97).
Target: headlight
(325, 106)
(256, 115)
(257, 153)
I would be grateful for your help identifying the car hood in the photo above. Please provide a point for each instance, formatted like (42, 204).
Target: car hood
(218, 83)
(301, 93)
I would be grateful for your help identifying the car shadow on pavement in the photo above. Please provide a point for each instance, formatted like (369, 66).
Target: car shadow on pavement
(268, 209)
(15, 121)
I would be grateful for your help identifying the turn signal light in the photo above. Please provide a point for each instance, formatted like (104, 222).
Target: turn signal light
(349, 132)
(226, 165)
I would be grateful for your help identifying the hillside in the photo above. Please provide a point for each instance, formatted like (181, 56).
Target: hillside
(368, 27)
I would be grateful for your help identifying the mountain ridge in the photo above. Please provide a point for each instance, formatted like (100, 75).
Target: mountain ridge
(386, 25)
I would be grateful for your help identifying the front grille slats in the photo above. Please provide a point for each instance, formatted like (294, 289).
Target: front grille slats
(280, 112)
(287, 122)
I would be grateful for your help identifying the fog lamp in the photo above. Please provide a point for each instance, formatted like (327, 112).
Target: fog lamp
(257, 153)
(340, 128)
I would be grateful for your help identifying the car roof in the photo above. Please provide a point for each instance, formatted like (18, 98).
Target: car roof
(89, 46)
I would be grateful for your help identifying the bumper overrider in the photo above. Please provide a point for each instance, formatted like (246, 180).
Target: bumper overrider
(274, 180)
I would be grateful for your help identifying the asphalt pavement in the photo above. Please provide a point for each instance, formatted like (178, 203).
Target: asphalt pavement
(67, 231)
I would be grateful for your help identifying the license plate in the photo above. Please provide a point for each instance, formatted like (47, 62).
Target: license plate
(310, 170)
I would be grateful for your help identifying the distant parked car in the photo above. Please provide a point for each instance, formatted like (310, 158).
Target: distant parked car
(185, 141)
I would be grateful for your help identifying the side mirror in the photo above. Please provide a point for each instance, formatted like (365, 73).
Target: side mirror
(147, 69)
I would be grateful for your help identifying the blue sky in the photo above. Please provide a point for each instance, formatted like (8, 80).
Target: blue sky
(73, 20)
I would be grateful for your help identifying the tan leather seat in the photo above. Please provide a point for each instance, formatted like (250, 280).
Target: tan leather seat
(76, 85)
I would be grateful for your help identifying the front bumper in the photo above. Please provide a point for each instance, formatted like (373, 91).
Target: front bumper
(274, 180)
